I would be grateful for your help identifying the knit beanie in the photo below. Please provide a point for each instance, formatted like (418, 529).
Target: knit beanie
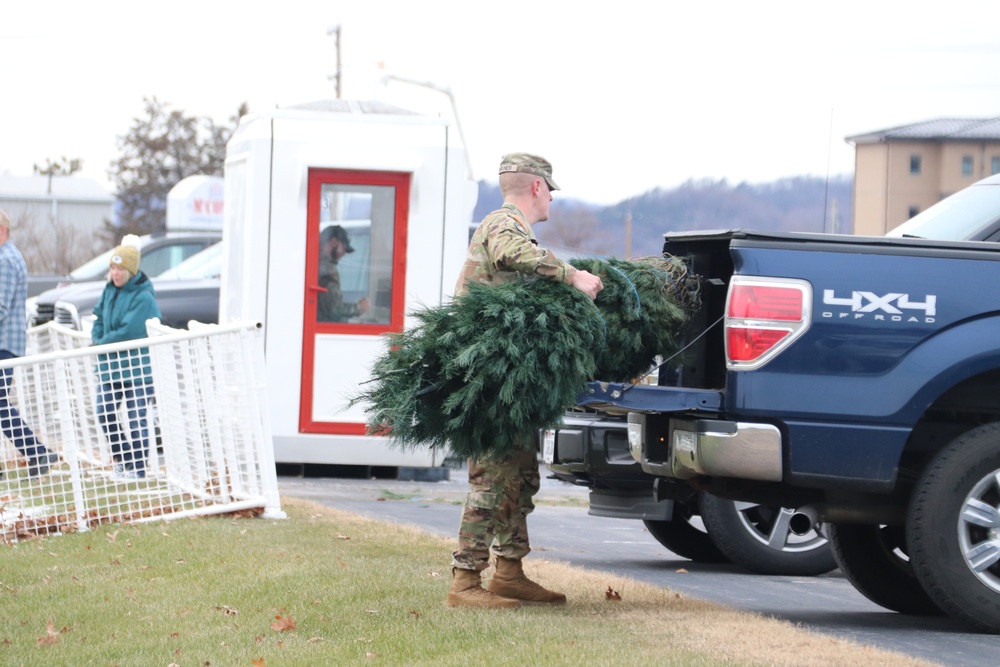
(127, 254)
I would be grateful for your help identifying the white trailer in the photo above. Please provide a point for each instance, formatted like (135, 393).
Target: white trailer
(397, 183)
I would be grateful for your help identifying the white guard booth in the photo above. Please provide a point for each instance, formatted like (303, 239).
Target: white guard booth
(397, 184)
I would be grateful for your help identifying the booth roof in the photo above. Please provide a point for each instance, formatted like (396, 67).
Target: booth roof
(353, 106)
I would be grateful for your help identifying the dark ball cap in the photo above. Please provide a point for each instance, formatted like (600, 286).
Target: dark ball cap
(339, 233)
(526, 163)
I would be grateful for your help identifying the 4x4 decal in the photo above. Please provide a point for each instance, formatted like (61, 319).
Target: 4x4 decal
(881, 307)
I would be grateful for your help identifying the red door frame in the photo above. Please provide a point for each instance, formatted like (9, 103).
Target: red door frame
(310, 327)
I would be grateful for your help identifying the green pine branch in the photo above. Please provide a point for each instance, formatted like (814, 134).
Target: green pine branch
(481, 374)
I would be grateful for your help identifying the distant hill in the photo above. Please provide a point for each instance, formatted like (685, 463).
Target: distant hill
(789, 204)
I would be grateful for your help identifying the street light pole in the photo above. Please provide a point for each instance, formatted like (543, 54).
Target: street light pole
(454, 109)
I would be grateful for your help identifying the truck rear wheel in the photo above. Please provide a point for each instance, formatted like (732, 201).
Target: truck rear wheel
(954, 528)
(759, 538)
(685, 539)
(874, 559)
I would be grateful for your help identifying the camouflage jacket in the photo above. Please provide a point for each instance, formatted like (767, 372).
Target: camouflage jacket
(330, 306)
(504, 246)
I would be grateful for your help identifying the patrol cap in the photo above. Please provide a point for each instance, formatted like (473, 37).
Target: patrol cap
(526, 163)
(339, 233)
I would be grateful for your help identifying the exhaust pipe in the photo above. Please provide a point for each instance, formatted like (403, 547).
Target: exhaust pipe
(803, 520)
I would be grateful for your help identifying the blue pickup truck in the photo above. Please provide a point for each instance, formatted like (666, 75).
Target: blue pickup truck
(854, 381)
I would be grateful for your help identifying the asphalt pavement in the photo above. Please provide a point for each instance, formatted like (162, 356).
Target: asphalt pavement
(562, 530)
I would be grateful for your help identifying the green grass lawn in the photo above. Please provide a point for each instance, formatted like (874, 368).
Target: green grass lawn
(328, 588)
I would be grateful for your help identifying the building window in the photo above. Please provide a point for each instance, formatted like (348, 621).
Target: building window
(913, 210)
(915, 165)
(995, 165)
(966, 165)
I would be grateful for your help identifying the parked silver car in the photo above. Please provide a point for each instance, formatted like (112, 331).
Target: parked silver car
(189, 291)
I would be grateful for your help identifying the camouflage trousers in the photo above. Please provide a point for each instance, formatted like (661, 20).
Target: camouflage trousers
(495, 518)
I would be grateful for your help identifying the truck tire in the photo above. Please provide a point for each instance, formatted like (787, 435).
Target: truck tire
(758, 537)
(683, 538)
(954, 528)
(874, 560)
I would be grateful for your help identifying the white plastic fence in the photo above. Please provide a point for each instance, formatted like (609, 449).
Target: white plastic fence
(169, 426)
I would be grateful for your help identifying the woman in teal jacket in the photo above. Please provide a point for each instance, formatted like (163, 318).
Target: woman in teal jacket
(127, 302)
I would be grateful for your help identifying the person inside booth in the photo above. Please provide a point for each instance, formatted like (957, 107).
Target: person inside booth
(334, 243)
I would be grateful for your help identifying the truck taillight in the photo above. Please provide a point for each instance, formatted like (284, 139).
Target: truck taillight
(765, 302)
(763, 317)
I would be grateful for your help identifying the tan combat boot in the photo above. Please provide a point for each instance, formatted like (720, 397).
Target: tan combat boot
(467, 591)
(510, 582)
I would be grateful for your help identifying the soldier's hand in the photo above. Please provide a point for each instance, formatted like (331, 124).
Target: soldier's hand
(364, 305)
(587, 282)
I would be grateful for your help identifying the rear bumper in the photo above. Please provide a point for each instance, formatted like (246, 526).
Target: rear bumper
(686, 448)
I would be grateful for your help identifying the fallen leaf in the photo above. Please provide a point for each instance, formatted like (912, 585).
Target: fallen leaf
(229, 611)
(612, 595)
(258, 662)
(50, 637)
(113, 536)
(371, 654)
(343, 537)
(434, 575)
(371, 611)
(313, 640)
(415, 613)
(283, 624)
(681, 570)
(341, 563)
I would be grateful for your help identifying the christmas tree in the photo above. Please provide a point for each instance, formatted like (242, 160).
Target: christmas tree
(482, 373)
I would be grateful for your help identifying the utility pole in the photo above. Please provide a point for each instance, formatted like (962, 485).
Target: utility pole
(628, 234)
(334, 30)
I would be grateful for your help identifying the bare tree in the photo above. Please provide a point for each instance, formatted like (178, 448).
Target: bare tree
(50, 246)
(72, 248)
(161, 148)
(60, 167)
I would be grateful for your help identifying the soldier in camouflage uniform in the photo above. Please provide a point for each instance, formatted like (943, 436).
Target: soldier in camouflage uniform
(334, 243)
(500, 496)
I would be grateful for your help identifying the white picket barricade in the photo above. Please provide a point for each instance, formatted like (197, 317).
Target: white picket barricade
(169, 426)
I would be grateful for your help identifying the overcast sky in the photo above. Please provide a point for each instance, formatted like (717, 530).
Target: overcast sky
(622, 96)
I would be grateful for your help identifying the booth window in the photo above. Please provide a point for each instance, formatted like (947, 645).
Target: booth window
(359, 233)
